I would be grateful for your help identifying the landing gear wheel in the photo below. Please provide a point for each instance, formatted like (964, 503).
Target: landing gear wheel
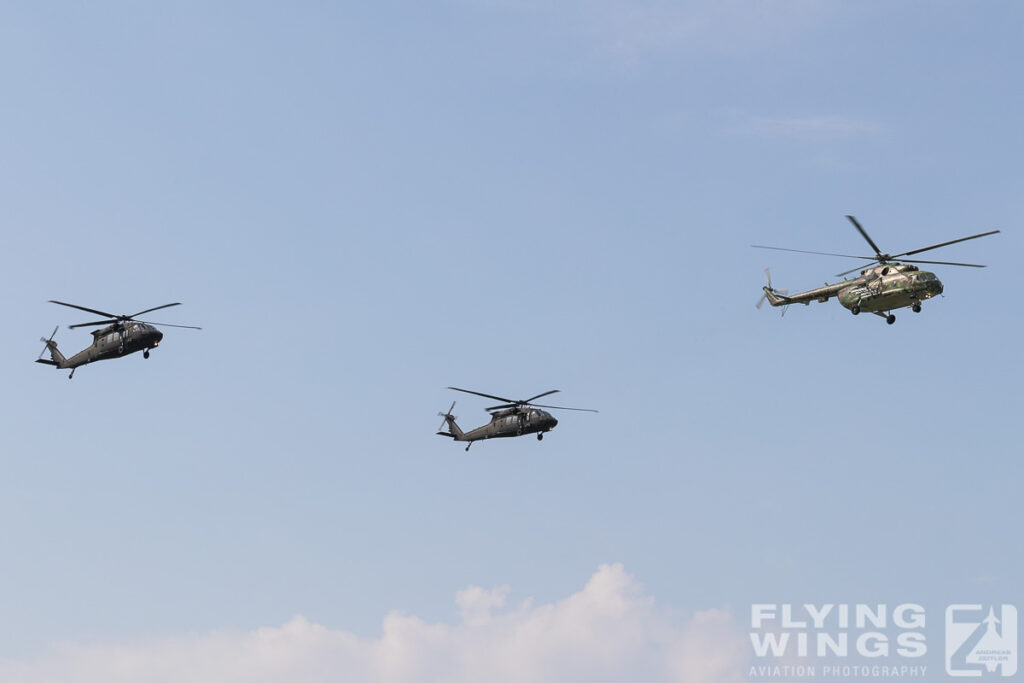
(916, 308)
(891, 319)
(145, 354)
(855, 310)
(540, 437)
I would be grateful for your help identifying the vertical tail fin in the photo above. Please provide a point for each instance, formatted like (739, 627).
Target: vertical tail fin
(776, 297)
(56, 357)
(453, 429)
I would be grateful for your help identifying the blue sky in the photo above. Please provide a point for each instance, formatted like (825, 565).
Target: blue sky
(362, 204)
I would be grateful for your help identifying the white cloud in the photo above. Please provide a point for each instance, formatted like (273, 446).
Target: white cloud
(609, 631)
(475, 603)
(710, 647)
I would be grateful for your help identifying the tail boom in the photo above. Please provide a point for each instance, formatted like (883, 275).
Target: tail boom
(776, 299)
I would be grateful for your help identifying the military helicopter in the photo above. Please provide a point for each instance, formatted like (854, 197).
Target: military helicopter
(879, 289)
(122, 335)
(512, 418)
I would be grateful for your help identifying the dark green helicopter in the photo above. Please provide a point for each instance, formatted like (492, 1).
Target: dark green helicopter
(512, 418)
(879, 289)
(122, 335)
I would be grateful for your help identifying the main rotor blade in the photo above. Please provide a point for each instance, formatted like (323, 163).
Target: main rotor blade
(945, 244)
(820, 253)
(94, 324)
(513, 404)
(188, 327)
(853, 270)
(941, 263)
(587, 410)
(496, 398)
(83, 308)
(878, 252)
(946, 263)
(152, 309)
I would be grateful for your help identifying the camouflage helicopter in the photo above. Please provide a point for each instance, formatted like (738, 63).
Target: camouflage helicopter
(122, 335)
(512, 418)
(878, 289)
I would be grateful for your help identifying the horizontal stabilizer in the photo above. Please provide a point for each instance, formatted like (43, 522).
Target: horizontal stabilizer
(448, 434)
(45, 362)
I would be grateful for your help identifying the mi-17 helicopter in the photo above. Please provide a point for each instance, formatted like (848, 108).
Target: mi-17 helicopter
(122, 335)
(879, 289)
(512, 418)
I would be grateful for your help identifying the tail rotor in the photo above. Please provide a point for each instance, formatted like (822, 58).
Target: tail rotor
(56, 359)
(48, 342)
(772, 290)
(768, 277)
(447, 416)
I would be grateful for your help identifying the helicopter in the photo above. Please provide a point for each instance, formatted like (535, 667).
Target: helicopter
(512, 418)
(122, 335)
(879, 289)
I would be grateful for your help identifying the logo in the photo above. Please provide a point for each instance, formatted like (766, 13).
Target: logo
(980, 641)
(837, 641)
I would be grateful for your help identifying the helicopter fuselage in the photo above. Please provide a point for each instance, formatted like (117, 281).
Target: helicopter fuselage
(891, 286)
(512, 422)
(880, 288)
(111, 342)
(117, 336)
(114, 341)
(512, 418)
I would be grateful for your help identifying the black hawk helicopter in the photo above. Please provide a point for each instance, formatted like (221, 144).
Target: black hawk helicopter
(122, 335)
(512, 418)
(879, 289)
